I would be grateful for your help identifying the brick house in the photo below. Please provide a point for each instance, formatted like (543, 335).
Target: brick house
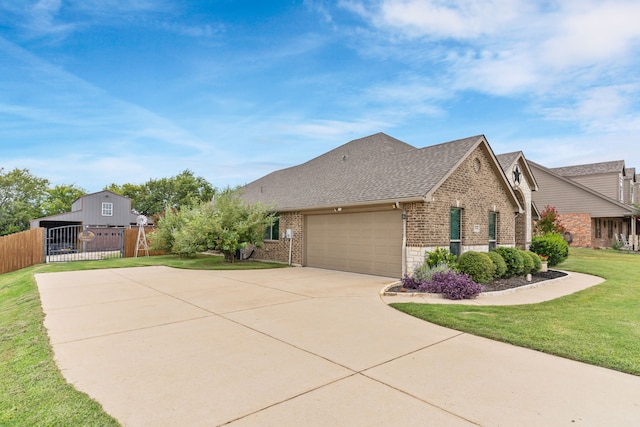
(376, 204)
(590, 200)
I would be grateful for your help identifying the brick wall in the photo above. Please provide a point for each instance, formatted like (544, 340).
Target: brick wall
(477, 190)
(579, 225)
(278, 250)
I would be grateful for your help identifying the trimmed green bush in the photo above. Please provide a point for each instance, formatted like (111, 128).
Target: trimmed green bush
(477, 265)
(527, 262)
(537, 262)
(551, 245)
(513, 258)
(498, 262)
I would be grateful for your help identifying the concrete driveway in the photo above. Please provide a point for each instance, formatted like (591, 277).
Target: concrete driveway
(158, 346)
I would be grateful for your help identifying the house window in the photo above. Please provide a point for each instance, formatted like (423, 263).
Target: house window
(107, 209)
(493, 226)
(610, 229)
(272, 232)
(598, 228)
(455, 232)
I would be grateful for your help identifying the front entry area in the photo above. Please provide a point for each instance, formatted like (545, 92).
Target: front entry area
(360, 242)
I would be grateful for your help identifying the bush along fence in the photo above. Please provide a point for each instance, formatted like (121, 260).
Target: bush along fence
(27, 248)
(21, 250)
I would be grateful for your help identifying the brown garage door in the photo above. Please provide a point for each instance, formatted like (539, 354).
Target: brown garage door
(363, 242)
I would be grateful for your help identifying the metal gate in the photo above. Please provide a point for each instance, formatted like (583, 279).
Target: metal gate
(78, 243)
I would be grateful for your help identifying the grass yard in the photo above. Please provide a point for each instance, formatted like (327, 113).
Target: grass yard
(600, 325)
(32, 390)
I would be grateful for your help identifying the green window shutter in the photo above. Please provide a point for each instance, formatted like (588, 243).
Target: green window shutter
(492, 226)
(455, 224)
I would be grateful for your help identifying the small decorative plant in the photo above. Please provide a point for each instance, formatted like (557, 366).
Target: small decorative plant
(452, 285)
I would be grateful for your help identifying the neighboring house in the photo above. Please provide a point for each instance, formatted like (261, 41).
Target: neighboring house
(375, 205)
(589, 199)
(96, 210)
(606, 178)
(519, 174)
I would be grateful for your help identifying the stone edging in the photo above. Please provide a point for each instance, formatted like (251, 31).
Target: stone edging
(385, 293)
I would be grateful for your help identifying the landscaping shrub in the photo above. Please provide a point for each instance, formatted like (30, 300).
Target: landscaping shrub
(513, 259)
(409, 282)
(425, 272)
(477, 265)
(537, 262)
(528, 265)
(498, 262)
(440, 256)
(551, 245)
(452, 285)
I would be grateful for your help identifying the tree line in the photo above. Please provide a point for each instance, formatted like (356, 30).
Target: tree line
(190, 215)
(24, 196)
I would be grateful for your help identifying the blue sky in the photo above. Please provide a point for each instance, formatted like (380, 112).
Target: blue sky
(94, 92)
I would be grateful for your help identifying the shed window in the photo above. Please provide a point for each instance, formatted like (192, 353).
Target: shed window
(493, 225)
(455, 234)
(107, 209)
(273, 231)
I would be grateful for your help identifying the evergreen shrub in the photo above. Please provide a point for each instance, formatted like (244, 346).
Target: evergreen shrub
(513, 259)
(498, 262)
(551, 245)
(477, 265)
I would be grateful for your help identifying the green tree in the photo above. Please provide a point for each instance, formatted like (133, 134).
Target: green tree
(132, 191)
(60, 198)
(21, 197)
(227, 225)
(158, 195)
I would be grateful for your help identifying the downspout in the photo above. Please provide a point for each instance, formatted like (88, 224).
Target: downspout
(404, 242)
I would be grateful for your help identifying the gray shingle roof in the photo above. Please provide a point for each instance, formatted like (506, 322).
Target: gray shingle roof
(507, 159)
(377, 168)
(630, 173)
(590, 169)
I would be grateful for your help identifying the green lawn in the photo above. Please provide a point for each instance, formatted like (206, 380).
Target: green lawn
(600, 325)
(32, 390)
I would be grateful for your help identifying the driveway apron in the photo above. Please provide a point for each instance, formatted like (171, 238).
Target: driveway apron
(158, 346)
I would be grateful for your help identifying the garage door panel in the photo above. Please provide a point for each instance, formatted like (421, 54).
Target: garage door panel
(363, 242)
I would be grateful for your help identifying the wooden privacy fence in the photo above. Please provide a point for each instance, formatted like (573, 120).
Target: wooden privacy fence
(24, 249)
(21, 250)
(130, 240)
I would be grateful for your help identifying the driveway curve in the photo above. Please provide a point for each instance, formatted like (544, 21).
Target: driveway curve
(158, 346)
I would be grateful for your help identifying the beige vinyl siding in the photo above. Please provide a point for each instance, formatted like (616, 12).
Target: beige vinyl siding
(567, 198)
(605, 184)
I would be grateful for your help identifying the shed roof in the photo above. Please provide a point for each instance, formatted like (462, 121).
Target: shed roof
(373, 169)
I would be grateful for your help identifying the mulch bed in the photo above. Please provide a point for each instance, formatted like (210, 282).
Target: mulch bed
(516, 282)
(503, 284)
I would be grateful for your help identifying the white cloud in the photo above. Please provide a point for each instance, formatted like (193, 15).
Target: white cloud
(565, 52)
(601, 109)
(459, 19)
(589, 32)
